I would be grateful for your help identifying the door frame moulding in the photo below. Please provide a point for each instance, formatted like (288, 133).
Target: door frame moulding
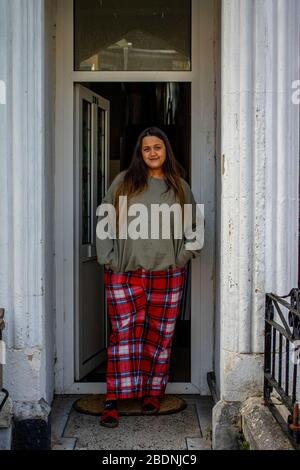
(84, 365)
(202, 184)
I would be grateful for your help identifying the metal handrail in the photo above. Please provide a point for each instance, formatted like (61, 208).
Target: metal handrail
(282, 346)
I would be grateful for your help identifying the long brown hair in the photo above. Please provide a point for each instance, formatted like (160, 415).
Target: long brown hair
(135, 179)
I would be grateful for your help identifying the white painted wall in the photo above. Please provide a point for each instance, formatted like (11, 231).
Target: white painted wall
(217, 270)
(4, 161)
(259, 202)
(50, 76)
(26, 182)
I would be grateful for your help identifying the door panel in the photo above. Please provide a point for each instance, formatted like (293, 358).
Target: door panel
(91, 176)
(92, 326)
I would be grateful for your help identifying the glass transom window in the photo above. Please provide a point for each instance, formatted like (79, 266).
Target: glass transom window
(132, 35)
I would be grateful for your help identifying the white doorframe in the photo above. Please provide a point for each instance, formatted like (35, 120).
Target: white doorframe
(202, 78)
(85, 253)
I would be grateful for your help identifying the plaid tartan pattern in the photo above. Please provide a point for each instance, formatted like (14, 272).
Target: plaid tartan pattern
(143, 307)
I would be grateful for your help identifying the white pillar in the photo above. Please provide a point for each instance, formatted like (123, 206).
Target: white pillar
(259, 202)
(22, 204)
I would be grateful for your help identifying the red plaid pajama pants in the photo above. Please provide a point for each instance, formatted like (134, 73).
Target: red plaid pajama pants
(143, 307)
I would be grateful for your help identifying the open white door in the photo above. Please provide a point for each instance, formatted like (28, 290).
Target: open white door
(91, 176)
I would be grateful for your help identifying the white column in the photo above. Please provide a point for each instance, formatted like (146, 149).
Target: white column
(259, 202)
(22, 202)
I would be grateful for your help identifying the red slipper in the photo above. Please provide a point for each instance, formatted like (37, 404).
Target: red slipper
(110, 418)
(150, 405)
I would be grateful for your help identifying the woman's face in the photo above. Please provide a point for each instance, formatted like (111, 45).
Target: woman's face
(154, 154)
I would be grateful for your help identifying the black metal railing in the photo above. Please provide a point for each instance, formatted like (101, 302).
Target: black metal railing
(282, 360)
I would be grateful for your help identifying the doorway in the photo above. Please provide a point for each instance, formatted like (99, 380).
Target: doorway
(108, 120)
(197, 80)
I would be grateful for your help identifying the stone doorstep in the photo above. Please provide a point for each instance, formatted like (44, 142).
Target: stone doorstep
(260, 428)
(62, 407)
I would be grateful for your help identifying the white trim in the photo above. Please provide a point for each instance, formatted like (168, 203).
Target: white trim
(202, 171)
(139, 76)
(95, 388)
(84, 252)
(64, 207)
(203, 166)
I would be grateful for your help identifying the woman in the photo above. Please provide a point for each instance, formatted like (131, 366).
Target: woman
(144, 275)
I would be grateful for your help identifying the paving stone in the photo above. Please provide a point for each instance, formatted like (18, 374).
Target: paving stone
(135, 432)
(178, 431)
(198, 443)
(64, 443)
(60, 411)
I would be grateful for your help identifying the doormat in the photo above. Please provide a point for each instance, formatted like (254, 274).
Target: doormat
(94, 405)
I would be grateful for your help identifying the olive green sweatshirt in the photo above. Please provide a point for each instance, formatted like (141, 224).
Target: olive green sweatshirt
(154, 254)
